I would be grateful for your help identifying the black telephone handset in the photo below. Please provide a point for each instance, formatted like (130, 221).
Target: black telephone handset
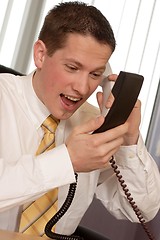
(125, 91)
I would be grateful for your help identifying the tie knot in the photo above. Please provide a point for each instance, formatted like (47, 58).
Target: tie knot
(50, 124)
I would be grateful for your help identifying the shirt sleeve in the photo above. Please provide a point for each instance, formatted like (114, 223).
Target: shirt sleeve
(33, 176)
(141, 175)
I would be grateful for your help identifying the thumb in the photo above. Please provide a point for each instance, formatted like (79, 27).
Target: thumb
(91, 125)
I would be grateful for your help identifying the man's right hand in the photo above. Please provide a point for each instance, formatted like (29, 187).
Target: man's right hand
(88, 151)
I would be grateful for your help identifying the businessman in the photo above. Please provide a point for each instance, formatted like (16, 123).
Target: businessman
(73, 48)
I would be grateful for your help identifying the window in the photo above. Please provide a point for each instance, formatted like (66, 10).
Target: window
(134, 23)
(10, 23)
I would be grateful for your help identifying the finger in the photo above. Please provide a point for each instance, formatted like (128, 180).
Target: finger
(138, 104)
(109, 101)
(89, 126)
(105, 160)
(99, 96)
(111, 135)
(136, 109)
(112, 77)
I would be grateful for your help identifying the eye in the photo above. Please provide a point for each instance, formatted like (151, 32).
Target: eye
(96, 75)
(71, 67)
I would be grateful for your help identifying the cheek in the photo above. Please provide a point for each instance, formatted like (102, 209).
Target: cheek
(56, 75)
(54, 85)
(51, 80)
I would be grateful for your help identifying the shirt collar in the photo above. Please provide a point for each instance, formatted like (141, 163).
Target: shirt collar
(37, 110)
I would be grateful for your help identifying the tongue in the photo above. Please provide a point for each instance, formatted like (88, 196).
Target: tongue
(67, 101)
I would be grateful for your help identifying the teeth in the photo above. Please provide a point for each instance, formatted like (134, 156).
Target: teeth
(72, 98)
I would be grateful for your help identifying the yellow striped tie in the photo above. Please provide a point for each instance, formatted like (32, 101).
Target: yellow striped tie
(37, 214)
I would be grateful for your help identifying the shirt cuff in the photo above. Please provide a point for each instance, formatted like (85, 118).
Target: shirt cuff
(56, 167)
(132, 156)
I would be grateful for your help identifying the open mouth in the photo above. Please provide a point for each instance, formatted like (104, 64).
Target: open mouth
(69, 101)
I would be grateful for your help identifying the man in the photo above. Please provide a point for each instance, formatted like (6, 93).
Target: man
(74, 46)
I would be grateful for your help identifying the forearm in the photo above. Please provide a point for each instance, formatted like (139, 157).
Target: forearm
(142, 177)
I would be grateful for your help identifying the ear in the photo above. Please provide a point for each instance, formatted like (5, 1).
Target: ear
(39, 53)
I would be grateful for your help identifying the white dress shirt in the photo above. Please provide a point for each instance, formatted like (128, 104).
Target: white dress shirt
(24, 176)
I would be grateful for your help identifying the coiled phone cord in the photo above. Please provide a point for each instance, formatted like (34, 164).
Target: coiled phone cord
(130, 198)
(68, 201)
(60, 213)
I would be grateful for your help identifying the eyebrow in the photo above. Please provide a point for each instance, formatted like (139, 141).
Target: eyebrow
(81, 65)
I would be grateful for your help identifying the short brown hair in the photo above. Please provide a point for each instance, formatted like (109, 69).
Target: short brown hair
(74, 17)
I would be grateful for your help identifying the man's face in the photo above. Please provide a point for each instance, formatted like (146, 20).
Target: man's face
(65, 80)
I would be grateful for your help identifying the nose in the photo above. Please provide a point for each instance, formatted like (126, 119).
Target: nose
(81, 84)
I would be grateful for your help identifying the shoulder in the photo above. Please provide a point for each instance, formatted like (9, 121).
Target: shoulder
(11, 86)
(7, 79)
(10, 82)
(6, 82)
